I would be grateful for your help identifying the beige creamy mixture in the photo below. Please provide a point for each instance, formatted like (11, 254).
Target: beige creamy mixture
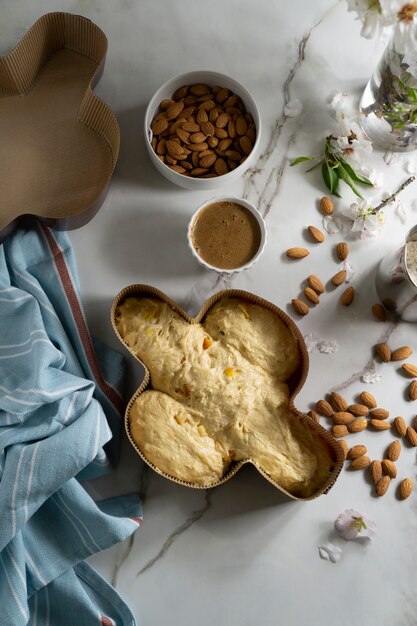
(412, 260)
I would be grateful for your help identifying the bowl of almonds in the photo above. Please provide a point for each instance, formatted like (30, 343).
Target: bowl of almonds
(202, 130)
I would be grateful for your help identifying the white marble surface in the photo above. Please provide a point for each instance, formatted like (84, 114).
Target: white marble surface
(243, 554)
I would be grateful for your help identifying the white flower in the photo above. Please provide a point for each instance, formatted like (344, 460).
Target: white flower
(330, 552)
(343, 106)
(351, 524)
(370, 377)
(363, 220)
(293, 108)
(349, 269)
(369, 12)
(353, 147)
(328, 347)
(375, 176)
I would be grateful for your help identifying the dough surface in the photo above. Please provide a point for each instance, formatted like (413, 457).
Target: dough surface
(219, 394)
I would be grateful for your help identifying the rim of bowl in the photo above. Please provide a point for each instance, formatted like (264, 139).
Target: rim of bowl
(248, 205)
(193, 76)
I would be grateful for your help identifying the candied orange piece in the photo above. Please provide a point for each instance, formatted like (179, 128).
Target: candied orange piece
(230, 372)
(207, 342)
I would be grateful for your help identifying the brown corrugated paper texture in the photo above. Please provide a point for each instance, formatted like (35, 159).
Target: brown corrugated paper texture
(297, 383)
(59, 142)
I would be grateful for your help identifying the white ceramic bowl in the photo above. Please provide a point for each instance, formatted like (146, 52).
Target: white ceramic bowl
(166, 91)
(254, 212)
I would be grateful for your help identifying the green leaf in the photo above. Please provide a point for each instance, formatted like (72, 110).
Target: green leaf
(331, 178)
(354, 175)
(301, 160)
(347, 179)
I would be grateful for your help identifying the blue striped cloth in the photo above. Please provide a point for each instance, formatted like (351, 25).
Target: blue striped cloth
(60, 410)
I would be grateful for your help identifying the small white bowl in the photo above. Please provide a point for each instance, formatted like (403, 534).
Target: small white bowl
(166, 91)
(254, 212)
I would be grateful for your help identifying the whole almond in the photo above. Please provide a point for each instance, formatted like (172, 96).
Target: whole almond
(383, 351)
(376, 470)
(197, 137)
(324, 408)
(220, 167)
(178, 168)
(412, 390)
(358, 425)
(345, 447)
(400, 426)
(411, 435)
(380, 424)
(191, 127)
(394, 450)
(183, 135)
(379, 312)
(198, 147)
(199, 90)
(175, 149)
(311, 295)
(202, 118)
(338, 402)
(362, 462)
(207, 127)
(382, 485)
(347, 296)
(174, 110)
(315, 283)
(233, 155)
(222, 120)
(316, 234)
(401, 353)
(339, 431)
(359, 410)
(368, 399)
(246, 145)
(379, 414)
(339, 278)
(356, 451)
(406, 487)
(342, 250)
(315, 416)
(299, 307)
(326, 206)
(388, 468)
(342, 417)
(208, 160)
(410, 369)
(159, 126)
(297, 253)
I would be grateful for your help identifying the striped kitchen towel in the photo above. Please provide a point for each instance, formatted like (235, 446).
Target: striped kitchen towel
(60, 419)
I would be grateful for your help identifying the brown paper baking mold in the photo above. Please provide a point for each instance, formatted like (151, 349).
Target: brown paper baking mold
(296, 383)
(59, 141)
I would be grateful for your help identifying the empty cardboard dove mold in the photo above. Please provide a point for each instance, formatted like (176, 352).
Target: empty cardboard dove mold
(218, 392)
(59, 142)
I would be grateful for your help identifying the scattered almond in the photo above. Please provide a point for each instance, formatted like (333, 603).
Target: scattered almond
(389, 468)
(406, 487)
(342, 250)
(342, 417)
(359, 410)
(379, 414)
(339, 430)
(401, 353)
(338, 402)
(394, 450)
(347, 296)
(379, 312)
(299, 307)
(316, 234)
(368, 399)
(339, 278)
(344, 446)
(410, 369)
(412, 390)
(358, 425)
(411, 435)
(356, 451)
(382, 485)
(324, 408)
(315, 283)
(400, 426)
(380, 424)
(315, 416)
(383, 351)
(376, 470)
(362, 462)
(326, 206)
(311, 295)
(297, 253)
